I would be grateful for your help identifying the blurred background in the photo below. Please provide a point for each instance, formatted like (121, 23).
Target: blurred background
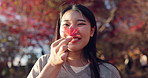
(27, 29)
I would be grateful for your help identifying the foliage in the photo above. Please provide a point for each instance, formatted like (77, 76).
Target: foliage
(122, 25)
(128, 28)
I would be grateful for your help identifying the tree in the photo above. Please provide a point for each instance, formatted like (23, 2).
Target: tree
(122, 24)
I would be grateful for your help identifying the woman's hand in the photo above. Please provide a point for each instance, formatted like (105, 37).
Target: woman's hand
(57, 57)
(58, 51)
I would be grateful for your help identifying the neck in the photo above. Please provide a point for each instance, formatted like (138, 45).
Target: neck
(77, 59)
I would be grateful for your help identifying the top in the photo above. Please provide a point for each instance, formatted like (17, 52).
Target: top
(106, 70)
(78, 69)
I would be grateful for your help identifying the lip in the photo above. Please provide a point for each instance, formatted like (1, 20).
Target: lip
(75, 39)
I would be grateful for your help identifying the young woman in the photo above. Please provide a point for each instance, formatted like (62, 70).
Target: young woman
(73, 54)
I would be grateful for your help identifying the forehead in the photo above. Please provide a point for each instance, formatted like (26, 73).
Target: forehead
(73, 15)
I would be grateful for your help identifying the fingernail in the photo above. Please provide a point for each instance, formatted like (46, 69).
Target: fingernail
(68, 37)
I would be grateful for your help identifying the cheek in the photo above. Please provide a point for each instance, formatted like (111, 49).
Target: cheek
(62, 33)
(86, 31)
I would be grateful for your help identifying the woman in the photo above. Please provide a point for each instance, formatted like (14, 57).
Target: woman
(73, 54)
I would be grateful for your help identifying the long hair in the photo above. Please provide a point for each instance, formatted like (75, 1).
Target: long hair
(90, 49)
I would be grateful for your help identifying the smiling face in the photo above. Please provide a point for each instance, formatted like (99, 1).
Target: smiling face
(77, 22)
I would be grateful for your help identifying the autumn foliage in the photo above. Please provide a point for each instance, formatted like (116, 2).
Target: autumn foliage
(122, 25)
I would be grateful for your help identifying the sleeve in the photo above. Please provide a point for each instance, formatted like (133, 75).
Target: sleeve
(109, 71)
(115, 73)
(38, 66)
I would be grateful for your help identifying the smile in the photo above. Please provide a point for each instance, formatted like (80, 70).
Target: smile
(75, 39)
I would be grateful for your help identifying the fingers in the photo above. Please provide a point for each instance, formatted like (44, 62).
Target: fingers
(64, 56)
(58, 48)
(64, 42)
(62, 49)
(60, 44)
(56, 42)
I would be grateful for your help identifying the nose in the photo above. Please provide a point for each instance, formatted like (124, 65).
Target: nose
(71, 30)
(72, 26)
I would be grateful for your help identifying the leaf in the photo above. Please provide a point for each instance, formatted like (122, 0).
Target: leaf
(71, 31)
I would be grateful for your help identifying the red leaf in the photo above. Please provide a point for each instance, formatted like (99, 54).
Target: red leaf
(137, 27)
(71, 31)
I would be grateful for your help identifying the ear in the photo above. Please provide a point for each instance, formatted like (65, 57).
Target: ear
(92, 31)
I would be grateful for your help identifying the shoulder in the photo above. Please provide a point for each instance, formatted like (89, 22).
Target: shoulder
(44, 57)
(43, 60)
(110, 70)
(38, 66)
(108, 66)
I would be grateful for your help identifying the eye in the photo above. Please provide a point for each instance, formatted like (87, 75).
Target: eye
(81, 24)
(66, 25)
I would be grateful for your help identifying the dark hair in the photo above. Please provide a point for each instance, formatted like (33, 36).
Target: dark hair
(90, 48)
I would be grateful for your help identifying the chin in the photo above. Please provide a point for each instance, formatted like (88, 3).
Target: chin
(73, 48)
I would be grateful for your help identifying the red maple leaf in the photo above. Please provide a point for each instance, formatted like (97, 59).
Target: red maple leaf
(71, 31)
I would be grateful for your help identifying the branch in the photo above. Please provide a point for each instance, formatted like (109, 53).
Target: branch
(109, 19)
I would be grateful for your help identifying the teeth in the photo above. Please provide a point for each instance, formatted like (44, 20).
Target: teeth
(75, 39)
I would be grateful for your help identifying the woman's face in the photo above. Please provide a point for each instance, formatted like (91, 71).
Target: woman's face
(75, 20)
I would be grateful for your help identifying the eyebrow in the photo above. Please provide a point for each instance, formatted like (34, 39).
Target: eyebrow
(83, 20)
